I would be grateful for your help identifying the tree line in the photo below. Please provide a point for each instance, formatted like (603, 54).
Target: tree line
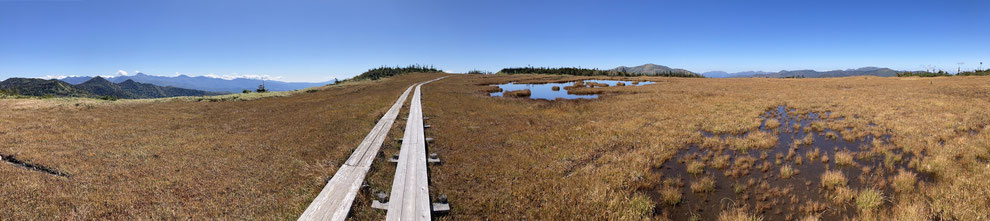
(942, 73)
(384, 72)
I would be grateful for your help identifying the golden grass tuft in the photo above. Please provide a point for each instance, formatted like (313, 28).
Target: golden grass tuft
(787, 171)
(753, 140)
(844, 158)
(812, 217)
(738, 214)
(842, 195)
(813, 154)
(721, 161)
(832, 179)
(695, 167)
(808, 139)
(671, 195)
(869, 199)
(703, 185)
(904, 181)
(916, 210)
(772, 123)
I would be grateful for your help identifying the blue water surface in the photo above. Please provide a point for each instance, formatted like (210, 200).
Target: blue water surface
(545, 91)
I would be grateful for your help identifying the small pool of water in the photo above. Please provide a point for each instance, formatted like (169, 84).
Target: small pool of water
(545, 91)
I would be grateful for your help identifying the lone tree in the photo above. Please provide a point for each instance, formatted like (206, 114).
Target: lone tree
(261, 88)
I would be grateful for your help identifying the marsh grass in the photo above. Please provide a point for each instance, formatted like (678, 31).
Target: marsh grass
(904, 181)
(721, 161)
(869, 199)
(265, 156)
(813, 154)
(703, 185)
(842, 195)
(787, 171)
(671, 195)
(738, 214)
(832, 179)
(772, 123)
(518, 93)
(695, 167)
(580, 157)
(844, 158)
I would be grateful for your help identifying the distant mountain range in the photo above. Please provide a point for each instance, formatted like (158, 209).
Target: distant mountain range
(722, 74)
(204, 83)
(651, 69)
(865, 71)
(95, 87)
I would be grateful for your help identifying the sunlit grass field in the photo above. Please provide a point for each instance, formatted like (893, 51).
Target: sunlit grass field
(184, 158)
(504, 158)
(516, 158)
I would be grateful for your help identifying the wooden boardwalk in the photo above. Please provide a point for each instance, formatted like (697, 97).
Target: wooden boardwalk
(334, 201)
(410, 196)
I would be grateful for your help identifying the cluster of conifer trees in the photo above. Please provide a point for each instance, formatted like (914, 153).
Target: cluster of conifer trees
(383, 72)
(941, 73)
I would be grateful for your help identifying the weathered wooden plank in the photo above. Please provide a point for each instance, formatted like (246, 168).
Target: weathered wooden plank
(410, 196)
(334, 201)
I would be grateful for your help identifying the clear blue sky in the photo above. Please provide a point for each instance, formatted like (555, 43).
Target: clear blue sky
(320, 40)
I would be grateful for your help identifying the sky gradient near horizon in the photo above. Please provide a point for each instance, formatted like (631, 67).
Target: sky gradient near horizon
(321, 40)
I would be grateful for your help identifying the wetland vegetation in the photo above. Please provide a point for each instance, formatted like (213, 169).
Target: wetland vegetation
(871, 149)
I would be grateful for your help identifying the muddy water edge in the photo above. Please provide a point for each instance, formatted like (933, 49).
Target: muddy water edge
(783, 182)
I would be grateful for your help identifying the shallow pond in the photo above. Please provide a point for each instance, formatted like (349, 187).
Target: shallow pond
(755, 179)
(546, 91)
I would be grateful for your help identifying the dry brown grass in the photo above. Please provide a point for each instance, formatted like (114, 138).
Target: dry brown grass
(869, 200)
(150, 159)
(703, 185)
(670, 195)
(787, 171)
(844, 158)
(772, 123)
(503, 158)
(721, 161)
(904, 181)
(842, 195)
(738, 214)
(518, 93)
(695, 167)
(832, 179)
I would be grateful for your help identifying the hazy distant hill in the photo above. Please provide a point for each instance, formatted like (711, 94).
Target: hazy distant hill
(205, 83)
(722, 74)
(651, 69)
(865, 71)
(95, 87)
